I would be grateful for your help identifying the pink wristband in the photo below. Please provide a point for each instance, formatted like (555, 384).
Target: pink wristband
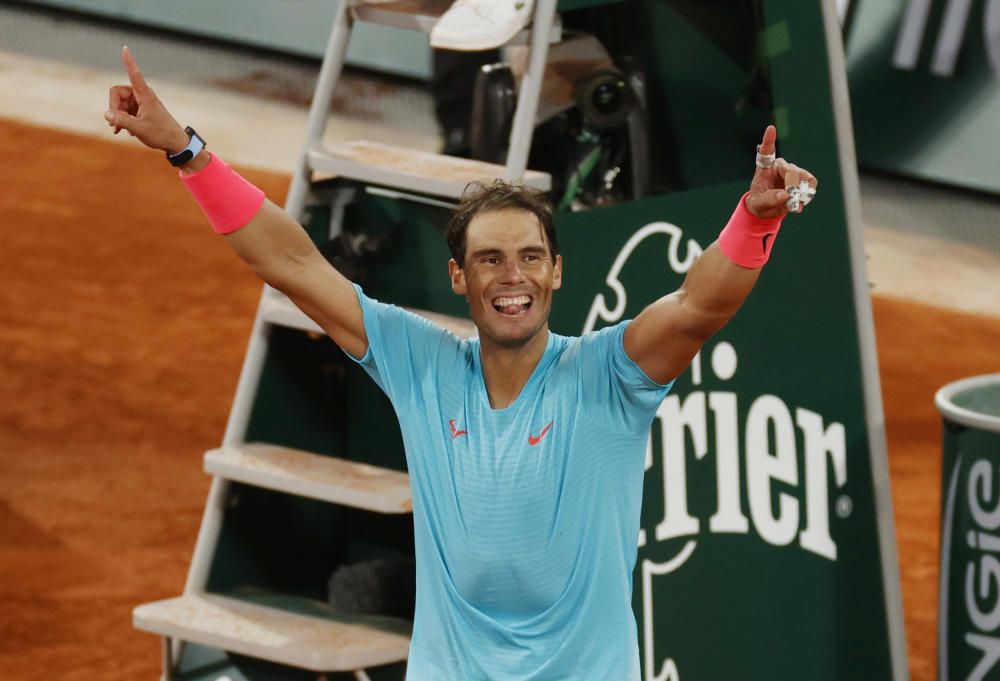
(226, 199)
(746, 239)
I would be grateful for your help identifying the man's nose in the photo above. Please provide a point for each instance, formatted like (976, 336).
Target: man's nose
(512, 271)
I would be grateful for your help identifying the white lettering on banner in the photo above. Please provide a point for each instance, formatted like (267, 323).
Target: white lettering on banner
(599, 308)
(949, 41)
(989, 579)
(668, 670)
(764, 465)
(771, 442)
(981, 474)
(770, 462)
(990, 647)
(772, 465)
(674, 420)
(820, 443)
(728, 517)
(911, 35)
(981, 489)
(949, 44)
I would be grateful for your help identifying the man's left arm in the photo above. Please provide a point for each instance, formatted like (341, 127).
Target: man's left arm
(666, 336)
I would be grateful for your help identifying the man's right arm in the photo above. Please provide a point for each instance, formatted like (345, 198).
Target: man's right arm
(281, 253)
(273, 244)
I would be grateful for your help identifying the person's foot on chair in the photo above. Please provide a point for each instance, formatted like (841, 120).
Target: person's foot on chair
(480, 24)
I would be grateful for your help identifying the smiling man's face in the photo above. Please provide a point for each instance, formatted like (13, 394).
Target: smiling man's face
(508, 276)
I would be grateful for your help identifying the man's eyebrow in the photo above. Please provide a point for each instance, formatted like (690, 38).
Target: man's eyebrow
(533, 249)
(480, 252)
(529, 250)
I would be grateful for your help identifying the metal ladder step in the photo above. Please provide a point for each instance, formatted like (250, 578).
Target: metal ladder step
(418, 171)
(284, 637)
(276, 308)
(421, 15)
(305, 474)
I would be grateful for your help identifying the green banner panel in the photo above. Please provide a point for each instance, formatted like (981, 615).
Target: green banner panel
(759, 521)
(924, 89)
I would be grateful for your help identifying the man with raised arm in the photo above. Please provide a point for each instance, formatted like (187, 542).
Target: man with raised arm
(525, 449)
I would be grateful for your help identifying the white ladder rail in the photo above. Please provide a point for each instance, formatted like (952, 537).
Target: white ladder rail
(236, 426)
(523, 128)
(239, 416)
(211, 524)
(516, 166)
(253, 362)
(319, 110)
(201, 561)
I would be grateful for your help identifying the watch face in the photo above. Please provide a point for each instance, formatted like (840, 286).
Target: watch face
(193, 134)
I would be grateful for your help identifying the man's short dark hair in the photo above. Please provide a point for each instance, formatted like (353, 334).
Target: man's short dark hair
(499, 195)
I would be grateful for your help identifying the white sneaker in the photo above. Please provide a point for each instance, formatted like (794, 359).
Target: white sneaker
(480, 24)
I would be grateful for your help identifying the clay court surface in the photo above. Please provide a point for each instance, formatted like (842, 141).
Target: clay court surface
(123, 322)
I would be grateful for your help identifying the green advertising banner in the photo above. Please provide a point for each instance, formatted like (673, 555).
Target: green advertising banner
(924, 88)
(767, 548)
(760, 532)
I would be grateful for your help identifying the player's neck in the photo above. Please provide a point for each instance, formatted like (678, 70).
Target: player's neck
(506, 370)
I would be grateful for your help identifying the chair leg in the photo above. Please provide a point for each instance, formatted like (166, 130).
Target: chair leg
(168, 659)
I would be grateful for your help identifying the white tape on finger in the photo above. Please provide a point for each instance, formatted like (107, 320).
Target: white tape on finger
(799, 197)
(806, 193)
(764, 160)
(794, 199)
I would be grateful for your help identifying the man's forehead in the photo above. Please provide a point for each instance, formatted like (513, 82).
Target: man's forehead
(510, 228)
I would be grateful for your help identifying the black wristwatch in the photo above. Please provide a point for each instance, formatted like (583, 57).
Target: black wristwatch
(193, 148)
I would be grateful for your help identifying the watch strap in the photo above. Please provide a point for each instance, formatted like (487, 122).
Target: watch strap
(194, 146)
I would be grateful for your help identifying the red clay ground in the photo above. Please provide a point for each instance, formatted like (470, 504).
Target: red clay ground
(123, 322)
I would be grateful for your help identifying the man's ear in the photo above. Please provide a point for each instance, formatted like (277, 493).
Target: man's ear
(457, 275)
(557, 273)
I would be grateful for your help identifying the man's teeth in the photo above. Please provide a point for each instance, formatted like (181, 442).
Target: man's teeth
(519, 300)
(512, 304)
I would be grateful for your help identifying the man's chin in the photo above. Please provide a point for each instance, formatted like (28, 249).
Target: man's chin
(510, 335)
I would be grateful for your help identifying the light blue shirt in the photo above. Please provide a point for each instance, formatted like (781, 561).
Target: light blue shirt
(526, 519)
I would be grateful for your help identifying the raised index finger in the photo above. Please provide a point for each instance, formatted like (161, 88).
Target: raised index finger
(134, 74)
(767, 143)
